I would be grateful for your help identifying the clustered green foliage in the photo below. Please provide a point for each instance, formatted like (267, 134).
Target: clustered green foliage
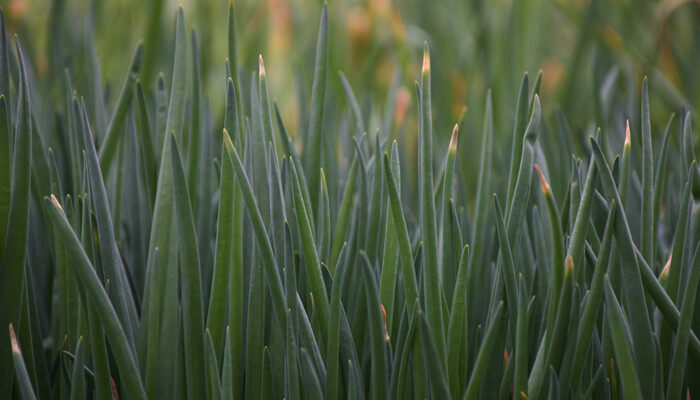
(151, 253)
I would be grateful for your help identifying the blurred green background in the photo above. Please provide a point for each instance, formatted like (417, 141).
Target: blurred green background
(592, 54)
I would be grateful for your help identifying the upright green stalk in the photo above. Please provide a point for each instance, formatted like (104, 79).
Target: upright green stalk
(163, 231)
(448, 263)
(647, 243)
(318, 99)
(680, 352)
(431, 278)
(12, 273)
(192, 314)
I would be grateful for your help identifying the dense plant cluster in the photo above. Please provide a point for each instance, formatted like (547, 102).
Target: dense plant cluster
(152, 250)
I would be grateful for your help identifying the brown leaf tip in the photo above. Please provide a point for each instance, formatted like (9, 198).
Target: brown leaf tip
(55, 202)
(628, 136)
(543, 182)
(261, 66)
(13, 340)
(667, 268)
(386, 331)
(453, 139)
(569, 265)
(426, 61)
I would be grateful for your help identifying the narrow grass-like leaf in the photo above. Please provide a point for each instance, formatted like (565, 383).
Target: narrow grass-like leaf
(271, 269)
(116, 125)
(479, 233)
(409, 275)
(375, 204)
(267, 383)
(98, 351)
(333, 342)
(312, 382)
(344, 212)
(150, 159)
(5, 66)
(112, 267)
(192, 313)
(377, 336)
(449, 250)
(428, 225)
(291, 371)
(680, 352)
(438, 379)
(595, 298)
(255, 330)
(631, 386)
(150, 330)
(227, 368)
(163, 225)
(660, 173)
(508, 265)
(233, 65)
(85, 272)
(77, 387)
(521, 192)
(666, 306)
(390, 260)
(521, 117)
(212, 370)
(457, 327)
(324, 222)
(679, 239)
(236, 274)
(354, 105)
(191, 141)
(521, 340)
(314, 137)
(12, 273)
(488, 345)
(216, 313)
(557, 268)
(634, 289)
(5, 166)
(21, 375)
(580, 228)
(647, 222)
(313, 266)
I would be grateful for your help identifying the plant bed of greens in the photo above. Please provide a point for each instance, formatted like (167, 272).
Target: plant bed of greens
(151, 251)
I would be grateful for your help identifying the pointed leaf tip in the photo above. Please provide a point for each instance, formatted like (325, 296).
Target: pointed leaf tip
(628, 136)
(13, 340)
(453, 139)
(261, 66)
(55, 202)
(386, 331)
(543, 182)
(569, 265)
(426, 59)
(667, 267)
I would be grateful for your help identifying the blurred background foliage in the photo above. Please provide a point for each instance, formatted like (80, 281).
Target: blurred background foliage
(592, 55)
